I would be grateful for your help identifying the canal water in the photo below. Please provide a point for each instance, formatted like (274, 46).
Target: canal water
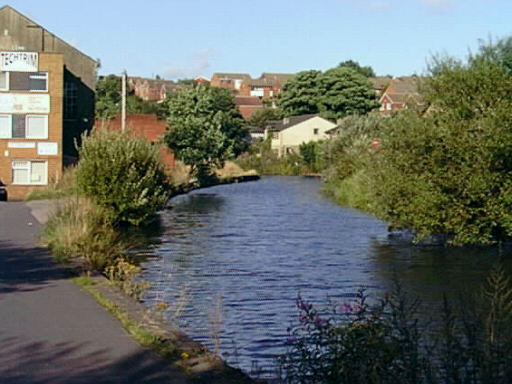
(231, 260)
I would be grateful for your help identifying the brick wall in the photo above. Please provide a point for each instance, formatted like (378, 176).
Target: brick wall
(53, 63)
(145, 125)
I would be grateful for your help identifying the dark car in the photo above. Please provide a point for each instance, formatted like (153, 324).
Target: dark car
(3, 192)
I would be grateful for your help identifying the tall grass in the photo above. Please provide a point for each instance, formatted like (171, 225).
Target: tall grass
(81, 231)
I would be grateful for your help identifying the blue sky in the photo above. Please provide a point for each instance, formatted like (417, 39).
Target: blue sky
(187, 38)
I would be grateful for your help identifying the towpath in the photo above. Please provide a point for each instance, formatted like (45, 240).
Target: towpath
(51, 331)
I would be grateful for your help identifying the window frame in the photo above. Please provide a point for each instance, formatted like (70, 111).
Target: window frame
(8, 115)
(27, 116)
(6, 81)
(46, 76)
(29, 169)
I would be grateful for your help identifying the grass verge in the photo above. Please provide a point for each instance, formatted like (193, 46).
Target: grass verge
(142, 335)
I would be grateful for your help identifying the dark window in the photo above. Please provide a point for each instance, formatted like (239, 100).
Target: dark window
(70, 100)
(18, 126)
(28, 81)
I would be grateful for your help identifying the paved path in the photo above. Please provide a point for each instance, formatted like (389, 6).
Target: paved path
(51, 331)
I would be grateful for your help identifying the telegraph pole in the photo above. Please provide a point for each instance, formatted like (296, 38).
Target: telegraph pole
(123, 102)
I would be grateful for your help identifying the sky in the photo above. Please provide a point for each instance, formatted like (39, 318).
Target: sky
(188, 38)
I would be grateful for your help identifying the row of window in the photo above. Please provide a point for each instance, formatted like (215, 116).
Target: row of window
(24, 81)
(23, 126)
(25, 172)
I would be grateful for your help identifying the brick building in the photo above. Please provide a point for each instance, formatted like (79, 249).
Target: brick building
(152, 89)
(231, 81)
(247, 105)
(19, 33)
(31, 109)
(401, 93)
(46, 102)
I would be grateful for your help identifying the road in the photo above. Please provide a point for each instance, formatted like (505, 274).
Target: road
(50, 330)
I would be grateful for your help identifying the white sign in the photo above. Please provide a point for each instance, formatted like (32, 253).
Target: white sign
(47, 148)
(19, 61)
(24, 103)
(21, 144)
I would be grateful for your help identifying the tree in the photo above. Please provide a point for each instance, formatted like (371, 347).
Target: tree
(300, 94)
(108, 100)
(108, 97)
(205, 128)
(338, 92)
(365, 71)
(345, 92)
(260, 118)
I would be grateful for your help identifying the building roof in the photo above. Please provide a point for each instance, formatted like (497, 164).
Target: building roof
(404, 90)
(233, 76)
(7, 8)
(248, 100)
(261, 82)
(380, 82)
(278, 77)
(287, 122)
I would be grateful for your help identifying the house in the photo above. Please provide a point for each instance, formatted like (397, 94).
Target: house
(46, 102)
(379, 84)
(144, 125)
(247, 105)
(268, 85)
(152, 89)
(19, 33)
(201, 80)
(401, 93)
(289, 133)
(231, 81)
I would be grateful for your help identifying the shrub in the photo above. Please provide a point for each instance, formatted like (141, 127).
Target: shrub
(122, 175)
(79, 229)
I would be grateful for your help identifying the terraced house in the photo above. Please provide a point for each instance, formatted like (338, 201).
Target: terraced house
(46, 102)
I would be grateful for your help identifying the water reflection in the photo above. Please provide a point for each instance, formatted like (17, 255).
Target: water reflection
(255, 246)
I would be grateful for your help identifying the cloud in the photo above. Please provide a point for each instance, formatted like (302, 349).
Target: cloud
(196, 64)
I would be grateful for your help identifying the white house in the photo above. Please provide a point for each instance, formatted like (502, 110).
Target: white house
(289, 133)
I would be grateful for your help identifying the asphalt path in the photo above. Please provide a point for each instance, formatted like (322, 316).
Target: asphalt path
(50, 330)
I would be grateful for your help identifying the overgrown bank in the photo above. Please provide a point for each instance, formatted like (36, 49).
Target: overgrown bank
(114, 192)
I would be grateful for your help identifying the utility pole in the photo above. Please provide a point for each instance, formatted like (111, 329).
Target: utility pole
(123, 102)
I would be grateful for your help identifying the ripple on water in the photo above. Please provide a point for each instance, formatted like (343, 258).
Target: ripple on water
(240, 254)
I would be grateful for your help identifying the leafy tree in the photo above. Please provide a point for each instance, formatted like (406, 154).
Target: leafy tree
(450, 172)
(345, 92)
(335, 93)
(365, 71)
(205, 128)
(108, 97)
(300, 94)
(500, 52)
(259, 118)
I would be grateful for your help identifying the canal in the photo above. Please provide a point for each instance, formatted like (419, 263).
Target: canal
(231, 260)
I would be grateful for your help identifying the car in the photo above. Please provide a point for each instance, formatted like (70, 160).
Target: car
(3, 192)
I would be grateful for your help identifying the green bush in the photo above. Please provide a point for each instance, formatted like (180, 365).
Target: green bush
(122, 175)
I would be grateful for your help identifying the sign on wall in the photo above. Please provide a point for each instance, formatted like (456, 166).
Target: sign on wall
(48, 148)
(24, 103)
(21, 144)
(19, 61)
